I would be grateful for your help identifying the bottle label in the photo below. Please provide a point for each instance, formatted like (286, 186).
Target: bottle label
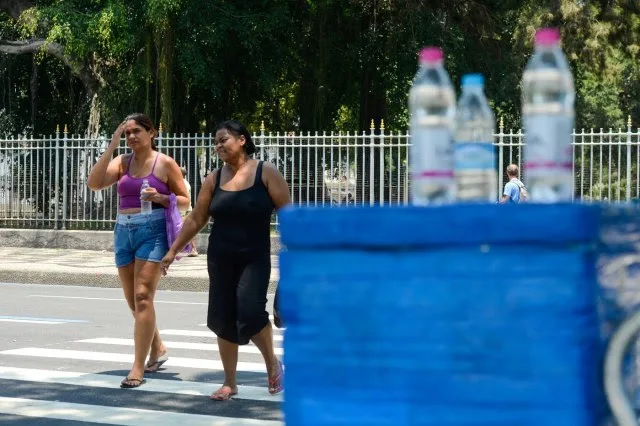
(548, 144)
(431, 153)
(475, 156)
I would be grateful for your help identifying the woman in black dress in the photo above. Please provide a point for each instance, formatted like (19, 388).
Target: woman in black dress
(240, 197)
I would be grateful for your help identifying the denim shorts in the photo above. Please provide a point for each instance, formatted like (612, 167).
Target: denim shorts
(140, 236)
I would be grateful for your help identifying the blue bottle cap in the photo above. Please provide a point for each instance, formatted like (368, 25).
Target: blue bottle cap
(473, 80)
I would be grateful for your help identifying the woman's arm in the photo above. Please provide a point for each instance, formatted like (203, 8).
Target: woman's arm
(276, 185)
(106, 171)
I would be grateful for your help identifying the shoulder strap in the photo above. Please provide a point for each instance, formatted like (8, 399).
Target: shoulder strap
(258, 173)
(129, 164)
(154, 163)
(218, 177)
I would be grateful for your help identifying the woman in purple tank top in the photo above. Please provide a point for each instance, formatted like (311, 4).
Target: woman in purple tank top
(140, 238)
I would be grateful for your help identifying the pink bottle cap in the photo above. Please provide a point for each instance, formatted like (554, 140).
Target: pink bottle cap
(431, 54)
(547, 36)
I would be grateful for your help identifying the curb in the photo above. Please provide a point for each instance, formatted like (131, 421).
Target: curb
(167, 283)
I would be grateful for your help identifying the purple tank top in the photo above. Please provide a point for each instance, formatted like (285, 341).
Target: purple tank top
(129, 187)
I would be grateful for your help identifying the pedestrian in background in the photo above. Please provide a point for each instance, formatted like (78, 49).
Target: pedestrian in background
(514, 190)
(240, 196)
(140, 240)
(185, 212)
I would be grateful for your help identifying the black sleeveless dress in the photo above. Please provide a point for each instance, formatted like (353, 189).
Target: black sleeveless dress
(239, 260)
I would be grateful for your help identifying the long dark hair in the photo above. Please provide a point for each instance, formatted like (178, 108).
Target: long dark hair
(237, 128)
(144, 121)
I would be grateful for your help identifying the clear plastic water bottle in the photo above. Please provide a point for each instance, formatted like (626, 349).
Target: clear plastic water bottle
(548, 118)
(474, 154)
(432, 109)
(145, 206)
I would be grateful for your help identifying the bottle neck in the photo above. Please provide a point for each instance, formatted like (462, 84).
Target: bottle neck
(431, 65)
(546, 47)
(475, 89)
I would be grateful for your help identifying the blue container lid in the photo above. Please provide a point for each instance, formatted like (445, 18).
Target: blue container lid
(473, 80)
(413, 227)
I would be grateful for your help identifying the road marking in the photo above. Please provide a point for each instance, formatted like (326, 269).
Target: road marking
(36, 320)
(47, 296)
(204, 364)
(31, 322)
(249, 349)
(180, 387)
(116, 415)
(196, 333)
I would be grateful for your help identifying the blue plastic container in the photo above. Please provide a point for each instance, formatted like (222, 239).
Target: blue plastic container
(619, 281)
(455, 315)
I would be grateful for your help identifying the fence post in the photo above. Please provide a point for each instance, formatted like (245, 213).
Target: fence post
(573, 165)
(56, 192)
(160, 129)
(372, 170)
(65, 184)
(629, 159)
(262, 129)
(382, 147)
(500, 158)
(407, 167)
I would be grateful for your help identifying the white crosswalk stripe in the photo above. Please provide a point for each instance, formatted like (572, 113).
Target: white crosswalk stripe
(247, 349)
(115, 415)
(84, 367)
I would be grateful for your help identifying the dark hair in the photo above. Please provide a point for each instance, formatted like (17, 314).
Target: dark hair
(144, 121)
(238, 129)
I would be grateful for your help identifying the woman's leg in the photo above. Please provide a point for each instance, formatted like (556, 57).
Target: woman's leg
(264, 341)
(229, 356)
(253, 318)
(147, 275)
(127, 276)
(194, 247)
(221, 319)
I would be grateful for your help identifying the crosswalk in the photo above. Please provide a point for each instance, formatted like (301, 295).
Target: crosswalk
(78, 381)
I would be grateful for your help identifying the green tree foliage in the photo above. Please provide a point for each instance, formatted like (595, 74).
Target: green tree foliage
(297, 65)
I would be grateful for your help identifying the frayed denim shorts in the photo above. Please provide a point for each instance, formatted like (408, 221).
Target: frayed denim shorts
(140, 236)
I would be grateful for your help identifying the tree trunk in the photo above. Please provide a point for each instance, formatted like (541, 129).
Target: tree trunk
(93, 127)
(313, 90)
(148, 66)
(34, 92)
(166, 38)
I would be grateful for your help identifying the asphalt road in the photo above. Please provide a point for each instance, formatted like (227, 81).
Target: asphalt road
(65, 349)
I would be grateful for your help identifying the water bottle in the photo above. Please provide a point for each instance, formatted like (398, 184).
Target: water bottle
(145, 206)
(432, 109)
(474, 153)
(548, 118)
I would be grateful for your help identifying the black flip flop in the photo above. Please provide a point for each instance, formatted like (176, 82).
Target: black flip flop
(132, 383)
(153, 367)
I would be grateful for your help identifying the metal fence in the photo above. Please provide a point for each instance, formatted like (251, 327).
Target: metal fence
(43, 181)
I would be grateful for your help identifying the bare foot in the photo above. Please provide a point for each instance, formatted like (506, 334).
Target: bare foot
(156, 360)
(134, 379)
(224, 393)
(276, 378)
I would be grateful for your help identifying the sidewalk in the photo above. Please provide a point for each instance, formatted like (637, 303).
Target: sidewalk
(97, 269)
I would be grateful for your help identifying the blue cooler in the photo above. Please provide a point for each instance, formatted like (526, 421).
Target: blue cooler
(453, 315)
